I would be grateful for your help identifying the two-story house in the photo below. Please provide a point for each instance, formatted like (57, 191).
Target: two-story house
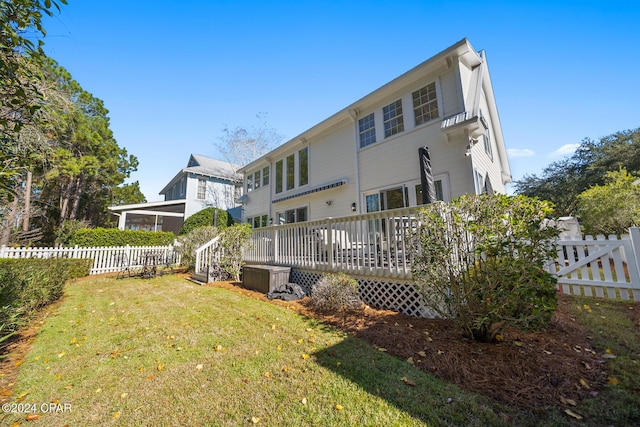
(364, 158)
(205, 182)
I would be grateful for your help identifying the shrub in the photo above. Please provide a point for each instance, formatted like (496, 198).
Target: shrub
(99, 237)
(205, 218)
(480, 261)
(234, 240)
(188, 244)
(336, 292)
(26, 285)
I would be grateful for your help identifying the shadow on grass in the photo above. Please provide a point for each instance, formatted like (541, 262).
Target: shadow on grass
(420, 395)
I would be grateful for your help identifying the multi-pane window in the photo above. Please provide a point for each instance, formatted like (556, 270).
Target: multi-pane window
(279, 166)
(293, 215)
(291, 171)
(265, 176)
(257, 180)
(367, 130)
(392, 118)
(202, 189)
(425, 104)
(258, 221)
(249, 182)
(303, 166)
(439, 191)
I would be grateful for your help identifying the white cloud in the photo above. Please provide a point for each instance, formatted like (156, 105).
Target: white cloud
(565, 150)
(520, 152)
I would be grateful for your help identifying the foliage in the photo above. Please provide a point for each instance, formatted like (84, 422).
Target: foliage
(127, 194)
(30, 283)
(613, 207)
(242, 145)
(233, 241)
(66, 231)
(204, 218)
(562, 181)
(21, 92)
(99, 237)
(480, 260)
(188, 243)
(336, 292)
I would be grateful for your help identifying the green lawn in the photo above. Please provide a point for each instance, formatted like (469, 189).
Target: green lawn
(168, 352)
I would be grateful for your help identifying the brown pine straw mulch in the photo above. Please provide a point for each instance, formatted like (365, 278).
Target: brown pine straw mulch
(530, 370)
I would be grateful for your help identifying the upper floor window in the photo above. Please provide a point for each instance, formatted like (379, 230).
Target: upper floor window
(303, 166)
(488, 148)
(202, 189)
(257, 180)
(392, 118)
(265, 176)
(279, 165)
(425, 104)
(249, 182)
(367, 130)
(291, 171)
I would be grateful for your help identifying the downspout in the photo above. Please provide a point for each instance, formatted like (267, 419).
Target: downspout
(354, 113)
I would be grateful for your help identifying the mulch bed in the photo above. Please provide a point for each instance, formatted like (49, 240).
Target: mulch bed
(556, 366)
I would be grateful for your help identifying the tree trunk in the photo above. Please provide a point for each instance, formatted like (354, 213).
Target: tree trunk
(9, 221)
(65, 195)
(76, 198)
(27, 203)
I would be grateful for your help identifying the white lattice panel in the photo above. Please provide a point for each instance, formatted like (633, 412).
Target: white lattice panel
(396, 296)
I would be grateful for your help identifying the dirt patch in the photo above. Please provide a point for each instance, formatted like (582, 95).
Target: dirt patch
(531, 370)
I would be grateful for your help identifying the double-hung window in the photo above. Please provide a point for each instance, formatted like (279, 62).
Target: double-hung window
(367, 130)
(425, 104)
(202, 189)
(257, 180)
(291, 171)
(392, 118)
(265, 176)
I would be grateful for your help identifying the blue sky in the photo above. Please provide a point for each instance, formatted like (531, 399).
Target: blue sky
(173, 74)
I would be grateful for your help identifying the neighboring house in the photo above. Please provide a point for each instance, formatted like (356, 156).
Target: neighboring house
(365, 158)
(205, 182)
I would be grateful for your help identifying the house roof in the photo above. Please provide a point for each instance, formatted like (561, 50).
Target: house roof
(462, 50)
(147, 205)
(207, 166)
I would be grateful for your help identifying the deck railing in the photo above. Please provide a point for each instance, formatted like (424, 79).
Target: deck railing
(376, 244)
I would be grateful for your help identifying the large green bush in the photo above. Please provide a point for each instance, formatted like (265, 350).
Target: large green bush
(30, 283)
(100, 237)
(206, 218)
(234, 240)
(480, 260)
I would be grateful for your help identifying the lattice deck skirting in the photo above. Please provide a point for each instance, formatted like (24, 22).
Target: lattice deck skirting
(398, 296)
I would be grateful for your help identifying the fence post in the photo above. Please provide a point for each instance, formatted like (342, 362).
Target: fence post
(634, 235)
(330, 243)
(276, 236)
(3, 248)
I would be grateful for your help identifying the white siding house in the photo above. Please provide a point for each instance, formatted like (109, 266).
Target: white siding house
(364, 158)
(205, 182)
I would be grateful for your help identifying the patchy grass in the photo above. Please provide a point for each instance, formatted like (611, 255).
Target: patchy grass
(167, 352)
(615, 329)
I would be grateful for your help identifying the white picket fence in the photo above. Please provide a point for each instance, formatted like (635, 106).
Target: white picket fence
(605, 267)
(105, 259)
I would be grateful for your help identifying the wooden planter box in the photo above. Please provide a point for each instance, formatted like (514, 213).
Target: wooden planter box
(264, 278)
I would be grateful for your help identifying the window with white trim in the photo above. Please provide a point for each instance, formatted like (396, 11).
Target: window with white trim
(202, 189)
(425, 104)
(258, 221)
(303, 166)
(249, 183)
(265, 176)
(257, 179)
(279, 176)
(291, 171)
(367, 130)
(289, 216)
(392, 118)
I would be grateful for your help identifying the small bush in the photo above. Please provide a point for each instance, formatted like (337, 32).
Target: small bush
(205, 218)
(336, 292)
(234, 240)
(188, 244)
(100, 237)
(480, 261)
